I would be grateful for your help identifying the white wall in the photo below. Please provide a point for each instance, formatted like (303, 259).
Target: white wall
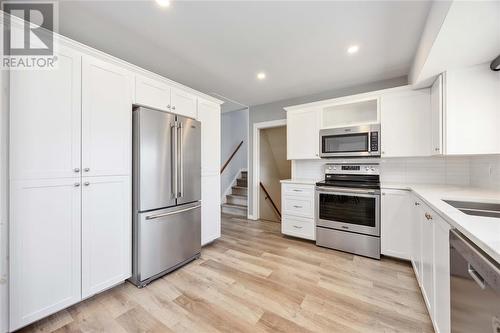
(234, 129)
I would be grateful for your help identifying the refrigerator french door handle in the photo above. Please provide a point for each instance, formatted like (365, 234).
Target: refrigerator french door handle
(173, 134)
(181, 160)
(152, 217)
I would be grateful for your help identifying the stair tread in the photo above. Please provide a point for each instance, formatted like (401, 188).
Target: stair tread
(234, 205)
(238, 195)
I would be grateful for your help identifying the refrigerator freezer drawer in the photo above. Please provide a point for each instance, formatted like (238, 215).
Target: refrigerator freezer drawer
(167, 238)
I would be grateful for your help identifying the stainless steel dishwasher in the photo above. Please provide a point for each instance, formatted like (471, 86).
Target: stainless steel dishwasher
(474, 286)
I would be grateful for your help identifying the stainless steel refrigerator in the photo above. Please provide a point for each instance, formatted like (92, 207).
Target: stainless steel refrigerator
(167, 193)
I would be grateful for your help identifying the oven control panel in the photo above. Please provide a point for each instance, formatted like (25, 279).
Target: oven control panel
(353, 169)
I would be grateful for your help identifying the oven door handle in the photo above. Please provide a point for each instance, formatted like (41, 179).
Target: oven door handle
(344, 190)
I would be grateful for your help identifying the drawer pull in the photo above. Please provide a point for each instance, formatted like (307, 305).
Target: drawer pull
(297, 206)
(428, 216)
(297, 190)
(297, 227)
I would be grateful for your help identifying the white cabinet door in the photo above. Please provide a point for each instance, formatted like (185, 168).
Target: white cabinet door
(442, 274)
(106, 118)
(183, 103)
(416, 238)
(44, 248)
(472, 116)
(45, 120)
(437, 117)
(152, 93)
(106, 232)
(426, 218)
(210, 208)
(396, 224)
(209, 116)
(302, 134)
(406, 123)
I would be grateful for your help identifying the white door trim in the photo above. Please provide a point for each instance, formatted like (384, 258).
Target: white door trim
(256, 163)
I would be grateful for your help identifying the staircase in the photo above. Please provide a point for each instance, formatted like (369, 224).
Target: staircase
(236, 202)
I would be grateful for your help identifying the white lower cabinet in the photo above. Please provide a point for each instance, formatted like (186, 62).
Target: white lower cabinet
(442, 275)
(45, 249)
(396, 224)
(297, 201)
(430, 259)
(106, 233)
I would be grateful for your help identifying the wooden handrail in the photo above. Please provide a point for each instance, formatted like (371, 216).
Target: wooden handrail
(272, 202)
(230, 157)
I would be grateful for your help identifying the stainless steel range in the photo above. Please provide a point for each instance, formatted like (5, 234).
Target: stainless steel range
(348, 209)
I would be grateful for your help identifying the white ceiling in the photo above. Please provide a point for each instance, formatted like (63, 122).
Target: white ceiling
(218, 47)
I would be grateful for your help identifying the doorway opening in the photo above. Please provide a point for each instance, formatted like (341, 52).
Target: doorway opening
(270, 167)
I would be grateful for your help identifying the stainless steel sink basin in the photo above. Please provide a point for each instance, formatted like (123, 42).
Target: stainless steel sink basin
(476, 208)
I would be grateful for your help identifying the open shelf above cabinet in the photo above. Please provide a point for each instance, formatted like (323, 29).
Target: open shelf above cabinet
(351, 113)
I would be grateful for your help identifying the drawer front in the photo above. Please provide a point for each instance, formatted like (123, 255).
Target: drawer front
(298, 206)
(298, 227)
(298, 190)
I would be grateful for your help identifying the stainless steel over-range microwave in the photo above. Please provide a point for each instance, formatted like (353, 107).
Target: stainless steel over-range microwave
(355, 141)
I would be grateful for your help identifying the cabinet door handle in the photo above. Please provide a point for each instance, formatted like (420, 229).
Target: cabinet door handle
(297, 206)
(173, 107)
(417, 204)
(428, 216)
(297, 190)
(297, 227)
(86, 183)
(76, 170)
(436, 149)
(76, 184)
(168, 106)
(86, 169)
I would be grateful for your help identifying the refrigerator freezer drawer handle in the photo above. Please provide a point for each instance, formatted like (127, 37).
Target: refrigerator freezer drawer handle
(152, 217)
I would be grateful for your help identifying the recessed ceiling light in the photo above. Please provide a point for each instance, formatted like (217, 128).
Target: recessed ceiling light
(353, 49)
(261, 76)
(163, 3)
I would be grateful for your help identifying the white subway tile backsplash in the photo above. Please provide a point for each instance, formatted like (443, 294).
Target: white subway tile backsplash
(429, 170)
(478, 171)
(485, 171)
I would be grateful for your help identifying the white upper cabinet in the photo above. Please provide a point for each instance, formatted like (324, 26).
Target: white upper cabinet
(351, 113)
(396, 224)
(183, 103)
(106, 118)
(152, 93)
(45, 120)
(45, 247)
(406, 123)
(302, 134)
(209, 115)
(106, 232)
(437, 101)
(472, 113)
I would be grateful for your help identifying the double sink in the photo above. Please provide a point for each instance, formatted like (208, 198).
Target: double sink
(476, 208)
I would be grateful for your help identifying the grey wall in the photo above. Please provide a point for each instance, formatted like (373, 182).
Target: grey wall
(234, 129)
(275, 111)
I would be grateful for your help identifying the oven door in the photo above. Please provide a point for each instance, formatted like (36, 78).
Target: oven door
(353, 210)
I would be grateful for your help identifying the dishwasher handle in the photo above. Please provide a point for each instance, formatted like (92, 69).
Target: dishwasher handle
(483, 269)
(476, 276)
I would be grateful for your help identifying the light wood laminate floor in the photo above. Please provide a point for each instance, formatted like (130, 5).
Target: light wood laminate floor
(254, 279)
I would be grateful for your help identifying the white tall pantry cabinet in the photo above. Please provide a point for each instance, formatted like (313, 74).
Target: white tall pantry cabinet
(70, 169)
(209, 115)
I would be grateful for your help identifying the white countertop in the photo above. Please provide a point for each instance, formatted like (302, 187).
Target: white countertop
(302, 181)
(483, 231)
